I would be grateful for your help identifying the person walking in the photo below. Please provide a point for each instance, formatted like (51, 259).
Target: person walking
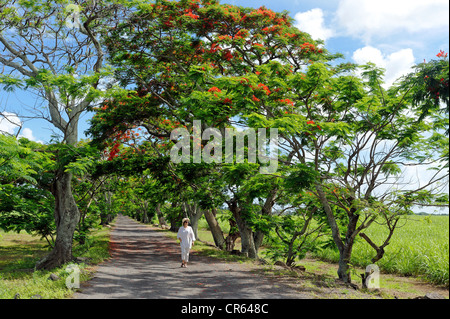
(187, 238)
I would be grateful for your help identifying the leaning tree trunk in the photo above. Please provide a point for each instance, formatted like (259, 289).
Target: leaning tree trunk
(67, 217)
(233, 235)
(214, 227)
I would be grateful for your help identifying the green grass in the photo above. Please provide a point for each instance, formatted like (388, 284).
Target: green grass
(419, 248)
(19, 254)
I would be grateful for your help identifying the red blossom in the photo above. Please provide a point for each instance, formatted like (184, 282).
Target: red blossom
(214, 89)
(287, 101)
(441, 54)
(265, 88)
(254, 98)
(228, 56)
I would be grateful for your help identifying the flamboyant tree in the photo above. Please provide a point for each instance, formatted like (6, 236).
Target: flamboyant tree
(362, 141)
(199, 60)
(345, 141)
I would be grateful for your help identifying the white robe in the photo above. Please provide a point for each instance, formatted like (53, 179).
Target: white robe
(187, 236)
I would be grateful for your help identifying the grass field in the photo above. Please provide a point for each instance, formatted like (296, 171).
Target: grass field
(19, 254)
(420, 247)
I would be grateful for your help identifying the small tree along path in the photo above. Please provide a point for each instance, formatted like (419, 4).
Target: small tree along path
(146, 264)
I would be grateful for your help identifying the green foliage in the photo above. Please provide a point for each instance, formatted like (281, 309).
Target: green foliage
(25, 203)
(27, 208)
(427, 86)
(300, 176)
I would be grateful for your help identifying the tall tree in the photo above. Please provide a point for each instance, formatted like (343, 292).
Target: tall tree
(199, 60)
(362, 141)
(52, 49)
(345, 139)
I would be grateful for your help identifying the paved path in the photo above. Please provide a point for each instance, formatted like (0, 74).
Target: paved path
(146, 264)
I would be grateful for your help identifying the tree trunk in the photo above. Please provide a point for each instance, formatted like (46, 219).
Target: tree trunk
(346, 254)
(145, 219)
(67, 217)
(161, 219)
(215, 229)
(194, 222)
(175, 218)
(233, 235)
(266, 210)
(344, 267)
(194, 213)
(344, 247)
(247, 241)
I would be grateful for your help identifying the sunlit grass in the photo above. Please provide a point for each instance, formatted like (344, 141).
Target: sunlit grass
(419, 248)
(19, 254)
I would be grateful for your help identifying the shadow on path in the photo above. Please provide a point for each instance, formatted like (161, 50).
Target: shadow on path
(146, 264)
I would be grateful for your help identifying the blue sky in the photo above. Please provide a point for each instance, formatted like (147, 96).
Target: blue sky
(394, 34)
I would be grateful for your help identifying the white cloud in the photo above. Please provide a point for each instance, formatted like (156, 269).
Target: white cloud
(396, 64)
(28, 133)
(370, 19)
(312, 22)
(9, 123)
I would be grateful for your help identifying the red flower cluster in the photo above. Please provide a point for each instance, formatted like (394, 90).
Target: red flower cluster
(214, 89)
(313, 123)
(287, 101)
(264, 12)
(265, 88)
(215, 47)
(228, 56)
(190, 14)
(224, 37)
(241, 34)
(254, 98)
(307, 47)
(442, 54)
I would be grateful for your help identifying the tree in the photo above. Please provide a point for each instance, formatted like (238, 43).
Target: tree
(342, 132)
(52, 49)
(199, 60)
(360, 140)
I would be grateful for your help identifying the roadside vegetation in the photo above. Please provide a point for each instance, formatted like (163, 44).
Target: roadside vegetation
(419, 248)
(19, 253)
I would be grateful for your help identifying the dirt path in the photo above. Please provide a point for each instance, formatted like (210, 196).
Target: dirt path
(146, 264)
